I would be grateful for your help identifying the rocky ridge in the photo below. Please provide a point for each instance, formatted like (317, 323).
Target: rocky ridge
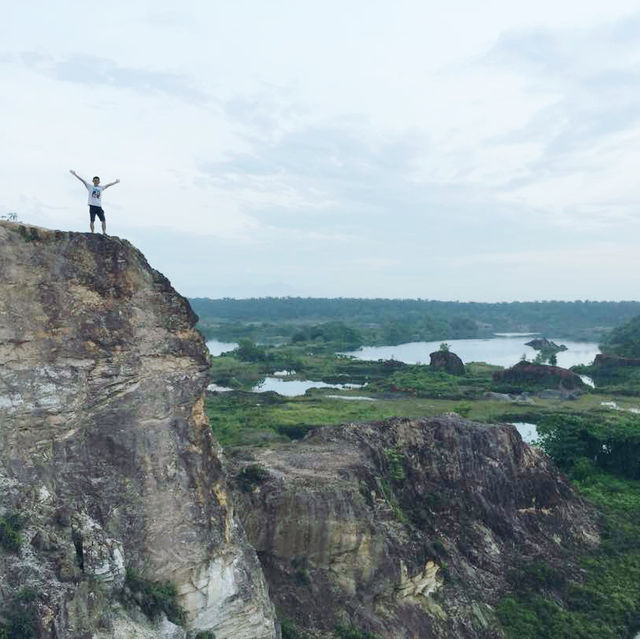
(404, 528)
(107, 463)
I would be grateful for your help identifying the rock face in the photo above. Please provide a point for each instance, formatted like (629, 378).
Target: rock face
(404, 528)
(447, 361)
(106, 455)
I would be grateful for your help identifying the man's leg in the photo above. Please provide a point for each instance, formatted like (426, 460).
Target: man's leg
(103, 221)
(92, 217)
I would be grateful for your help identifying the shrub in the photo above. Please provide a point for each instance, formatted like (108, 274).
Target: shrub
(250, 476)
(344, 631)
(10, 527)
(289, 630)
(155, 597)
(395, 460)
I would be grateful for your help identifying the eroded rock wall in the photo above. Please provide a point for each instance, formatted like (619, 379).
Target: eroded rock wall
(405, 528)
(105, 451)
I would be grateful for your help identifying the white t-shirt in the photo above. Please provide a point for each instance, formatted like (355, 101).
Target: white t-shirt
(95, 195)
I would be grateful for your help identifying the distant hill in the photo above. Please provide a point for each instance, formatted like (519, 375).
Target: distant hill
(396, 320)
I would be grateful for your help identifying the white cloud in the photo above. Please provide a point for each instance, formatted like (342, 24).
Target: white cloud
(317, 145)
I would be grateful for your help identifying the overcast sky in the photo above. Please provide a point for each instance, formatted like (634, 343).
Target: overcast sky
(456, 150)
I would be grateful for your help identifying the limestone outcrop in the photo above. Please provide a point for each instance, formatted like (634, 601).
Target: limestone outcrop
(107, 464)
(404, 528)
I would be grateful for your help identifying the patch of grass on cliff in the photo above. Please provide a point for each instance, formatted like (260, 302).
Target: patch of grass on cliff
(155, 597)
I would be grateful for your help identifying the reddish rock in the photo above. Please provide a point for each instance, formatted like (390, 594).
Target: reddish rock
(447, 361)
(540, 375)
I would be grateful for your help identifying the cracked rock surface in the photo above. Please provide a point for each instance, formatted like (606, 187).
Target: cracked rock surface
(405, 527)
(106, 455)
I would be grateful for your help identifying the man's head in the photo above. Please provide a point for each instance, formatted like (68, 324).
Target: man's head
(96, 180)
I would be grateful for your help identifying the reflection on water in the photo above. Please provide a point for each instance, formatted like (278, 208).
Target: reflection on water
(501, 351)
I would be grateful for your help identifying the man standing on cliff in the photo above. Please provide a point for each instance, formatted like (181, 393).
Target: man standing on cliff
(95, 199)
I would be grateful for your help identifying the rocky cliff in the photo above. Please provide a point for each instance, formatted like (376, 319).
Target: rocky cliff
(405, 528)
(107, 464)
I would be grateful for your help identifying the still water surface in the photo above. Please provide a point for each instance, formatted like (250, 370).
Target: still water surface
(501, 351)
(217, 348)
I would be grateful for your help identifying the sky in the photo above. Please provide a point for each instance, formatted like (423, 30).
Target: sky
(450, 150)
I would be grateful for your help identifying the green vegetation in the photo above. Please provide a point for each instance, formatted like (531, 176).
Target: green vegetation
(385, 321)
(396, 462)
(155, 597)
(617, 380)
(344, 631)
(205, 634)
(600, 453)
(20, 615)
(250, 476)
(10, 527)
(624, 340)
(423, 381)
(606, 601)
(590, 593)
(593, 442)
(290, 631)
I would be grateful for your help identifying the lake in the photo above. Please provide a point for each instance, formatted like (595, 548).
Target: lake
(295, 387)
(501, 351)
(217, 348)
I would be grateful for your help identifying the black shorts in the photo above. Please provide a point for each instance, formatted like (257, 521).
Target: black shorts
(96, 210)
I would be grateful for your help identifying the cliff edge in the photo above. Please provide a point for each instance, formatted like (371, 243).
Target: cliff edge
(109, 476)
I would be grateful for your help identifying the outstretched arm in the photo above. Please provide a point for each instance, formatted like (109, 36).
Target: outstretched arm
(106, 186)
(76, 175)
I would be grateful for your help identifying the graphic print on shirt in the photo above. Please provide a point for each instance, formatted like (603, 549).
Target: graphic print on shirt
(95, 193)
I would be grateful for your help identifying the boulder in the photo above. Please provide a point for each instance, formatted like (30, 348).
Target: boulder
(446, 361)
(539, 376)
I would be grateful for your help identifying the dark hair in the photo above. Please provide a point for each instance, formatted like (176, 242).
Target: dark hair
(95, 177)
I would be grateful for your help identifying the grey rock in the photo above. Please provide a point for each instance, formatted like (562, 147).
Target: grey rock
(406, 528)
(105, 449)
